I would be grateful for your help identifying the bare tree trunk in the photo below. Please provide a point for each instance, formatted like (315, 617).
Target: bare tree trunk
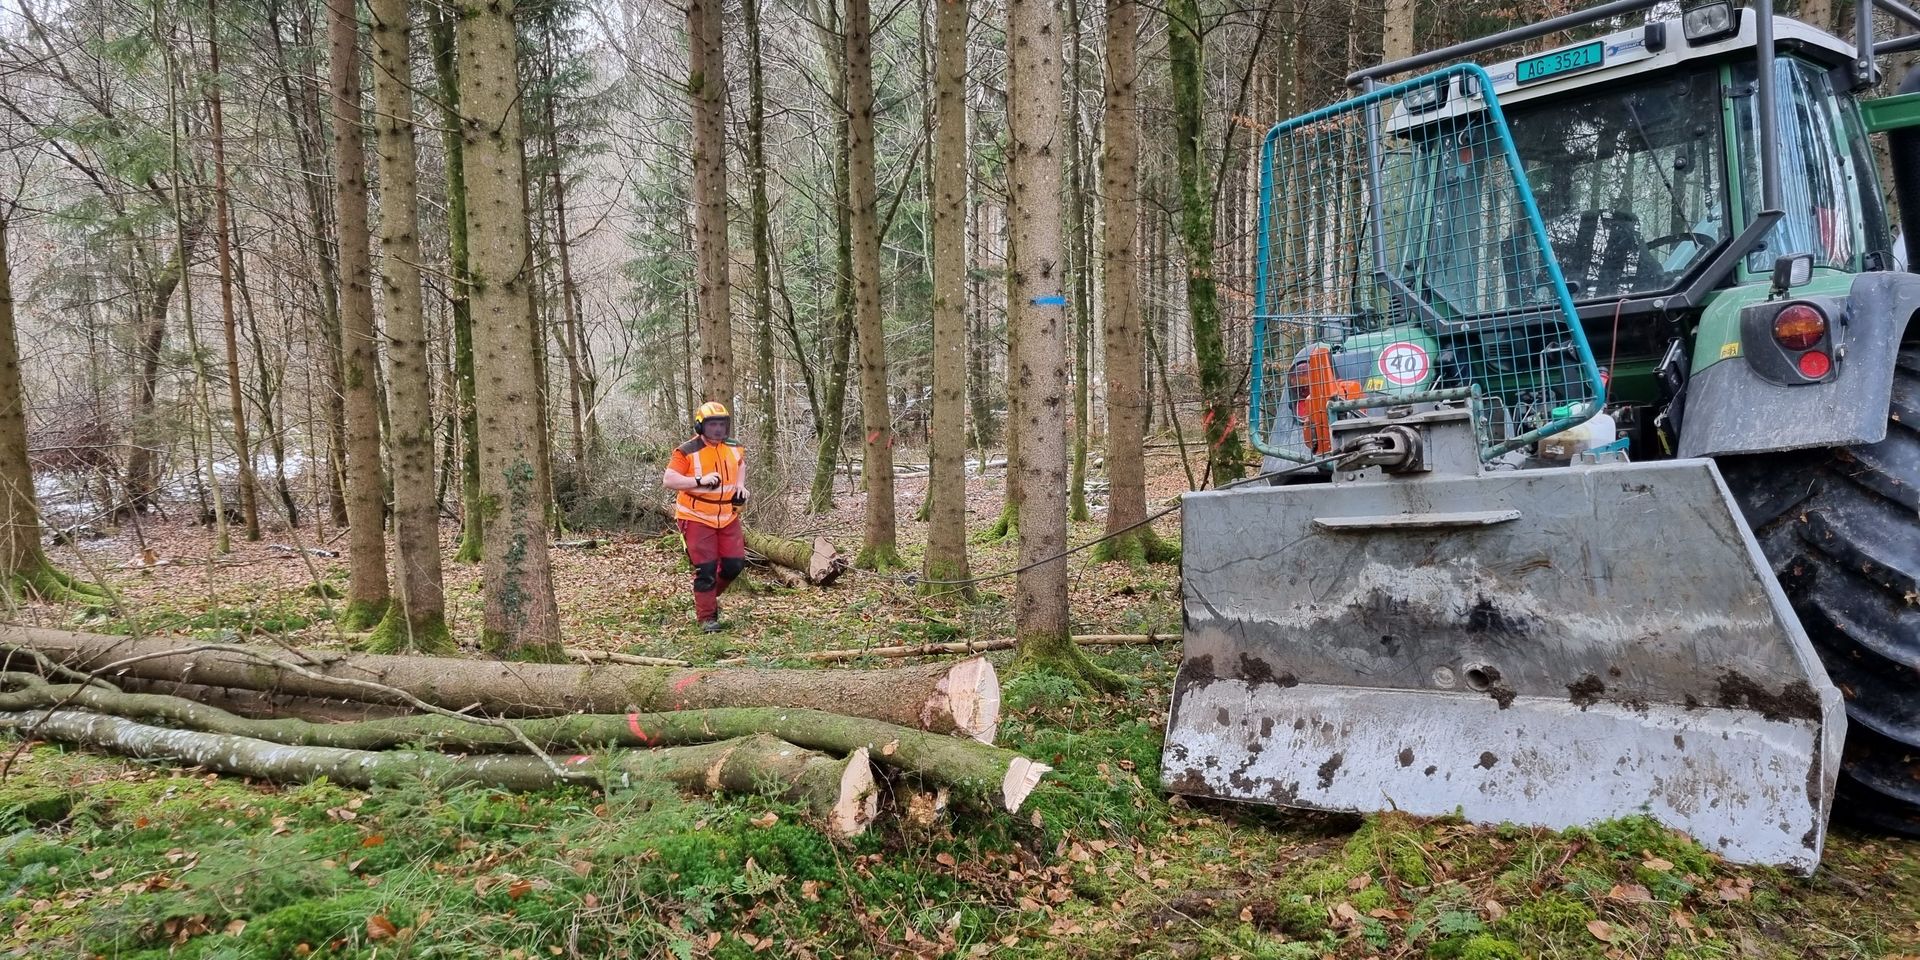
(1127, 399)
(1079, 265)
(841, 792)
(766, 399)
(242, 450)
(521, 620)
(1396, 41)
(418, 621)
(1185, 51)
(878, 550)
(585, 439)
(946, 570)
(1818, 13)
(367, 594)
(959, 698)
(446, 74)
(707, 85)
(833, 424)
(979, 775)
(23, 564)
(304, 113)
(1038, 367)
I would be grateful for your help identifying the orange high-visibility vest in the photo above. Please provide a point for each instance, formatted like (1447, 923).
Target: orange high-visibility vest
(696, 458)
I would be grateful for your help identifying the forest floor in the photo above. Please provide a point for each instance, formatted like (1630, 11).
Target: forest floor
(121, 859)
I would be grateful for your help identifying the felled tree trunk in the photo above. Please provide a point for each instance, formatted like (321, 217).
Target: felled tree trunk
(819, 561)
(983, 776)
(961, 698)
(840, 792)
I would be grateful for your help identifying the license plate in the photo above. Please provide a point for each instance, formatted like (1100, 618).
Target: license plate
(1570, 60)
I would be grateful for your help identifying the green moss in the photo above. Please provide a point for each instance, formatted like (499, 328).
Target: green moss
(395, 634)
(362, 615)
(323, 591)
(1549, 913)
(1477, 947)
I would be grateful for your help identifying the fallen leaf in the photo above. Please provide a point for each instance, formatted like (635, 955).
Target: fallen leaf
(373, 841)
(887, 749)
(1629, 893)
(380, 928)
(944, 859)
(235, 928)
(1360, 882)
(1601, 930)
(767, 819)
(810, 890)
(518, 888)
(1656, 863)
(1495, 911)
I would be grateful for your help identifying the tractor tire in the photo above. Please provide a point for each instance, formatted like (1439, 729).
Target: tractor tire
(1841, 528)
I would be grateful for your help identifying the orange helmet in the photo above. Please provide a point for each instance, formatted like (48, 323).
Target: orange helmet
(710, 410)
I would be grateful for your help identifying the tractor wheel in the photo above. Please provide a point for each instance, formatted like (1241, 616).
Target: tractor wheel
(1841, 528)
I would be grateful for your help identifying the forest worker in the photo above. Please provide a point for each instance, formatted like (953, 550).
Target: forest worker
(711, 478)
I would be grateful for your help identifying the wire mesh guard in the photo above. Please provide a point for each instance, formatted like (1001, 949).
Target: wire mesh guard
(1402, 259)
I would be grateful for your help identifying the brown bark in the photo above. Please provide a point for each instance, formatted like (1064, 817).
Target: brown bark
(243, 451)
(1038, 367)
(962, 698)
(946, 558)
(1127, 398)
(878, 548)
(23, 564)
(840, 792)
(521, 620)
(417, 622)
(367, 589)
(765, 394)
(304, 115)
(707, 87)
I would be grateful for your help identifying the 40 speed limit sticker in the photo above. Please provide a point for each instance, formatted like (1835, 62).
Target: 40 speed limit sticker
(1404, 364)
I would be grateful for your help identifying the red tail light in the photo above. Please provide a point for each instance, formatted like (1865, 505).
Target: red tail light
(1815, 364)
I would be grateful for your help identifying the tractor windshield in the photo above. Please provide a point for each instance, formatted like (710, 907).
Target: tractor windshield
(1629, 180)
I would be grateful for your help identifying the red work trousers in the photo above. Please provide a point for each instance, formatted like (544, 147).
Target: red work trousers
(717, 557)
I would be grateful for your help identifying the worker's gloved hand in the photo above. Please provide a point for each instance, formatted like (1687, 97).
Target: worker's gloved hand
(740, 497)
(710, 482)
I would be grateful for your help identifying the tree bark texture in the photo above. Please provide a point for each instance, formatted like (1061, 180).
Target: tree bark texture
(1185, 52)
(237, 409)
(1079, 266)
(1127, 399)
(841, 792)
(707, 86)
(766, 400)
(23, 563)
(418, 621)
(982, 775)
(1038, 366)
(946, 558)
(446, 75)
(367, 589)
(961, 698)
(878, 549)
(832, 423)
(1396, 34)
(521, 619)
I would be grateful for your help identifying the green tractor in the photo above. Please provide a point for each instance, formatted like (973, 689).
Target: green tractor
(1588, 388)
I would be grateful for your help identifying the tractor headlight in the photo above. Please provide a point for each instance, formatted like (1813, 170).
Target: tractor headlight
(1709, 21)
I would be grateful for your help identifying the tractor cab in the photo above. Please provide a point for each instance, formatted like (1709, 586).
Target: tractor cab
(1584, 387)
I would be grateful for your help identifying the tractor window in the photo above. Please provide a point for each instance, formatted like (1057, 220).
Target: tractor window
(1819, 182)
(1629, 180)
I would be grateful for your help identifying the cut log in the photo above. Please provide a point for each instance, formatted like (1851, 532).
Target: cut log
(819, 560)
(960, 698)
(890, 652)
(839, 792)
(960, 646)
(983, 776)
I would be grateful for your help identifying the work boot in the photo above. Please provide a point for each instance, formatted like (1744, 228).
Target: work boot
(712, 626)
